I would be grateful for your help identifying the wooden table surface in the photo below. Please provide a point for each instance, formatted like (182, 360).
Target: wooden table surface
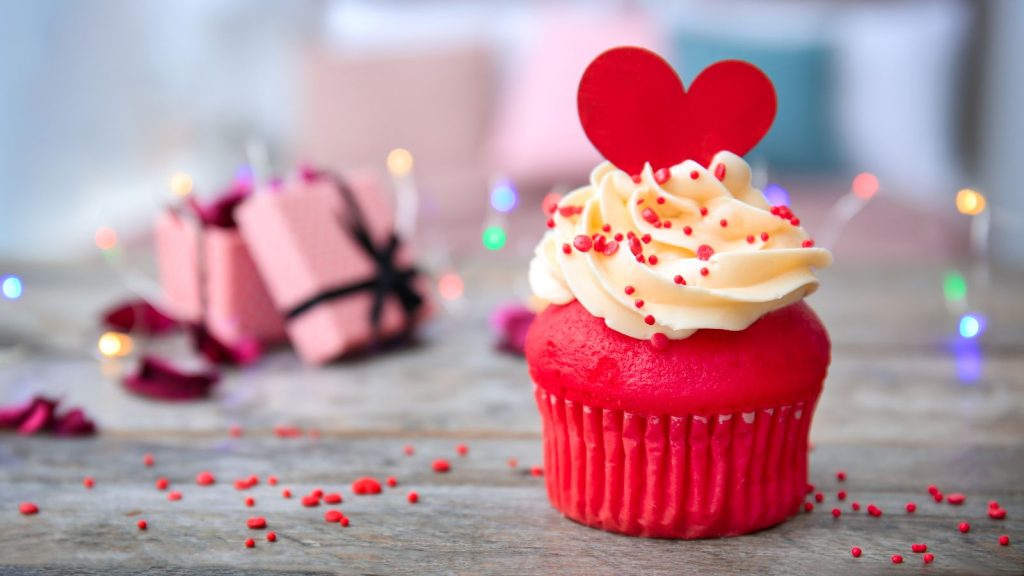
(904, 407)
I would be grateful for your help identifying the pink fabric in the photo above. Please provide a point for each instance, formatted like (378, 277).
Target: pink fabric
(298, 240)
(237, 305)
(675, 475)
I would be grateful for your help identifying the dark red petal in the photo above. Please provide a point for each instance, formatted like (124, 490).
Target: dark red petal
(74, 423)
(40, 418)
(157, 378)
(511, 322)
(138, 316)
(243, 352)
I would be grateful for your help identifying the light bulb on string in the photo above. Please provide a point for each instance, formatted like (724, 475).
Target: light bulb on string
(494, 238)
(970, 202)
(971, 325)
(114, 344)
(11, 287)
(503, 196)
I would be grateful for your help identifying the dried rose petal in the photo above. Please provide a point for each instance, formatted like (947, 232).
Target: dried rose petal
(243, 352)
(74, 423)
(12, 416)
(40, 418)
(221, 211)
(511, 322)
(156, 378)
(138, 316)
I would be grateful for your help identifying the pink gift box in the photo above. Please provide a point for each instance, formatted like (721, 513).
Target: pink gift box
(207, 275)
(320, 276)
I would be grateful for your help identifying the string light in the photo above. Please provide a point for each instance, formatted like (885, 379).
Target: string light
(399, 161)
(114, 344)
(776, 195)
(503, 196)
(970, 202)
(11, 287)
(106, 238)
(450, 286)
(954, 286)
(865, 185)
(971, 325)
(494, 237)
(181, 184)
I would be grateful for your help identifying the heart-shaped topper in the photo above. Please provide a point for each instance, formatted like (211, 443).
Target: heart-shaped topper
(635, 110)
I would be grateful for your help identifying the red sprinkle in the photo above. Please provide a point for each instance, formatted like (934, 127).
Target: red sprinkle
(88, 482)
(392, 481)
(629, 290)
(764, 236)
(841, 495)
(897, 559)
(1004, 540)
(256, 523)
(441, 465)
(649, 215)
(874, 511)
(704, 271)
(366, 485)
(720, 172)
(653, 259)
(606, 228)
(919, 548)
(855, 506)
(513, 463)
(550, 223)
(997, 513)
(271, 536)
(928, 558)
(723, 223)
(638, 303)
(659, 341)
(705, 252)
(932, 489)
(794, 221)
(413, 497)
(409, 450)
(955, 499)
(808, 506)
(536, 471)
(235, 431)
(28, 508)
(162, 483)
(662, 175)
(810, 488)
(694, 174)
(286, 493)
(649, 320)
(618, 236)
(841, 476)
(250, 543)
(667, 223)
(174, 496)
(807, 243)
(661, 199)
(319, 493)
(272, 480)
(646, 238)
(993, 504)
(911, 507)
(142, 524)
(250, 501)
(610, 248)
(703, 211)
(333, 516)
(856, 552)
(679, 280)
(344, 521)
(937, 496)
(205, 479)
(333, 498)
(836, 512)
(687, 230)
(310, 500)
(819, 497)
(750, 239)
(964, 527)
(566, 249)
(636, 178)
(461, 449)
(148, 460)
(583, 243)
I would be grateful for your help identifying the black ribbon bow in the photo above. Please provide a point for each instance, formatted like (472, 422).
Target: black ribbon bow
(389, 279)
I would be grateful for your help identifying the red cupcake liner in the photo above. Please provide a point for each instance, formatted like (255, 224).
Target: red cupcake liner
(675, 476)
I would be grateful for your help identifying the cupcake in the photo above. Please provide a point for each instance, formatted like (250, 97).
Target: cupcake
(677, 366)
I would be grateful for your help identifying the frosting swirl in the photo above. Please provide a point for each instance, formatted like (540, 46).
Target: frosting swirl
(674, 251)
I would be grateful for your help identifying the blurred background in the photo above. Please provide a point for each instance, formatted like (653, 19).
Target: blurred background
(101, 102)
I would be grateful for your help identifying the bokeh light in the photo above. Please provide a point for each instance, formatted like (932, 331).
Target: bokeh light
(181, 184)
(776, 195)
(399, 161)
(106, 238)
(954, 286)
(970, 202)
(114, 344)
(503, 196)
(550, 202)
(450, 286)
(968, 361)
(971, 325)
(865, 185)
(494, 237)
(11, 287)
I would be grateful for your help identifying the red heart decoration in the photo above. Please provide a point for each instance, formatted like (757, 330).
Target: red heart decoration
(634, 109)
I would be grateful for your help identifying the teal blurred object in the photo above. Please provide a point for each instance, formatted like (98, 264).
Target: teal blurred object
(803, 137)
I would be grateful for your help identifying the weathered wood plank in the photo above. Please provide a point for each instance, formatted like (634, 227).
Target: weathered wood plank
(480, 518)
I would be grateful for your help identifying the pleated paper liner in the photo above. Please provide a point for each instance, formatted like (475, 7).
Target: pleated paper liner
(675, 476)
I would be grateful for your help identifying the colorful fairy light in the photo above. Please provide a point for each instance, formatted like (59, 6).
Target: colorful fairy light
(970, 202)
(106, 238)
(494, 237)
(114, 344)
(399, 161)
(503, 196)
(865, 185)
(11, 287)
(450, 286)
(971, 325)
(776, 195)
(954, 286)
(181, 184)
